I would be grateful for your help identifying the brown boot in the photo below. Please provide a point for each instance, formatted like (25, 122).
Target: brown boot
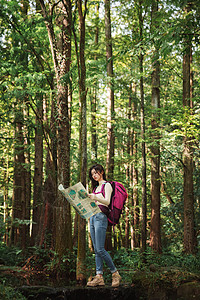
(96, 281)
(116, 279)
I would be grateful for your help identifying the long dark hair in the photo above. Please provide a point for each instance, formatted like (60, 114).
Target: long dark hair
(99, 169)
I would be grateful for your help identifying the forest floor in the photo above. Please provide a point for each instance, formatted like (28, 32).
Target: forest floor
(43, 276)
(154, 283)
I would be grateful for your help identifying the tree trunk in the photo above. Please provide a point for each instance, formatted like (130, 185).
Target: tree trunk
(110, 95)
(127, 228)
(142, 114)
(61, 53)
(110, 109)
(128, 176)
(27, 196)
(75, 232)
(6, 203)
(18, 199)
(188, 189)
(94, 99)
(20, 232)
(94, 127)
(38, 174)
(155, 236)
(81, 255)
(45, 216)
(135, 179)
(63, 210)
(47, 230)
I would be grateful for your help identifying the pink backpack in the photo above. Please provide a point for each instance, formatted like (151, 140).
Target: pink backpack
(117, 201)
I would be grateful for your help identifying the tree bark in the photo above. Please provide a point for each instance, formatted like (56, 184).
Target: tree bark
(63, 210)
(142, 115)
(38, 173)
(110, 109)
(110, 95)
(135, 180)
(6, 202)
(188, 189)
(81, 255)
(94, 98)
(61, 53)
(20, 233)
(18, 199)
(155, 236)
(129, 207)
(27, 170)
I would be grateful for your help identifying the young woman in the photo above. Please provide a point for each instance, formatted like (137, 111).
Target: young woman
(98, 227)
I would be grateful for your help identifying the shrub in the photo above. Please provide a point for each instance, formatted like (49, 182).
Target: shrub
(8, 293)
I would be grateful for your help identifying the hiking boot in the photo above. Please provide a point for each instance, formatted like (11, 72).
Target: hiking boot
(96, 281)
(116, 279)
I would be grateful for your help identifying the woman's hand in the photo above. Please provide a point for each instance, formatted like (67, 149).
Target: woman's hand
(91, 196)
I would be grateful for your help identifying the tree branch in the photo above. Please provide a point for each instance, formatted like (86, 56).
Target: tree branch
(38, 57)
(180, 160)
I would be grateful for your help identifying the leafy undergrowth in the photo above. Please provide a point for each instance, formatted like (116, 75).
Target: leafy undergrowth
(9, 293)
(175, 267)
(167, 277)
(44, 267)
(37, 267)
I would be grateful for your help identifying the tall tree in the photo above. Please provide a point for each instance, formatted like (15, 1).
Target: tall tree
(110, 107)
(128, 173)
(188, 189)
(142, 115)
(155, 236)
(5, 199)
(47, 226)
(22, 179)
(43, 207)
(18, 180)
(135, 175)
(80, 269)
(110, 94)
(38, 173)
(61, 54)
(27, 205)
(94, 95)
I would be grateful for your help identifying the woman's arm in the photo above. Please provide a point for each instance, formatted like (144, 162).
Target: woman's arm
(100, 198)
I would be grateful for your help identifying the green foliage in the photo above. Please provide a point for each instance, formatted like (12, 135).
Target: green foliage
(10, 256)
(61, 270)
(131, 262)
(135, 260)
(62, 265)
(54, 267)
(190, 263)
(9, 293)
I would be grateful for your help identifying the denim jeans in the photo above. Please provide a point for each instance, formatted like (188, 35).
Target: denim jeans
(98, 226)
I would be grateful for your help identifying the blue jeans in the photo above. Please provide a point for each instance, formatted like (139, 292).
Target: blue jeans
(98, 226)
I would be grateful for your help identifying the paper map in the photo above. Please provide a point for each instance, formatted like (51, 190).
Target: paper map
(78, 198)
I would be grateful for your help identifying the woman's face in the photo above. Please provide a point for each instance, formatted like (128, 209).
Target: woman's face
(97, 175)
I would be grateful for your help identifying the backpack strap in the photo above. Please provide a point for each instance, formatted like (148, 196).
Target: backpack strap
(102, 189)
(112, 183)
(103, 208)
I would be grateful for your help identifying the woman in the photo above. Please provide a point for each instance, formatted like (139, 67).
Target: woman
(98, 227)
